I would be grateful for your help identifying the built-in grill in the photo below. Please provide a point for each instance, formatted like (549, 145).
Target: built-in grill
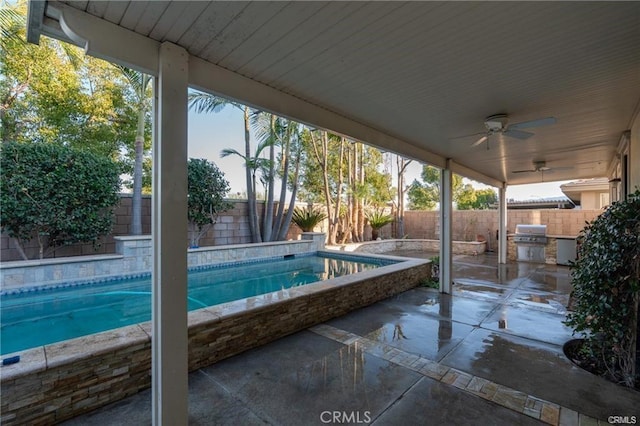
(530, 241)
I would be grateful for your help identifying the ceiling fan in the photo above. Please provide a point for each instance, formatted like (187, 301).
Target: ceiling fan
(538, 166)
(498, 123)
(541, 166)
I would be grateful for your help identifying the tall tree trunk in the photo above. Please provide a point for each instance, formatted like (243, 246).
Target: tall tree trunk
(361, 218)
(352, 196)
(283, 188)
(251, 186)
(136, 200)
(23, 255)
(321, 158)
(292, 203)
(336, 214)
(267, 227)
(402, 164)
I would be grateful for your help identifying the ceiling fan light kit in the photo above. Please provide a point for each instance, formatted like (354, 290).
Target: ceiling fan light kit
(498, 123)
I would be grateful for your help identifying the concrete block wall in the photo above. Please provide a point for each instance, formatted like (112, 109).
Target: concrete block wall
(467, 224)
(232, 228)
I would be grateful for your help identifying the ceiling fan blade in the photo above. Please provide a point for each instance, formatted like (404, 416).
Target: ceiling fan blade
(524, 171)
(479, 141)
(534, 123)
(468, 136)
(517, 134)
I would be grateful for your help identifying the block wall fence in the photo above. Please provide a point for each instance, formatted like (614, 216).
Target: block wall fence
(467, 224)
(233, 227)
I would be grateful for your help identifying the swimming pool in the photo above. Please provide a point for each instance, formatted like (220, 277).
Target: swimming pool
(42, 317)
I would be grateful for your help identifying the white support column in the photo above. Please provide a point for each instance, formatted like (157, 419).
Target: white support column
(446, 209)
(169, 278)
(502, 224)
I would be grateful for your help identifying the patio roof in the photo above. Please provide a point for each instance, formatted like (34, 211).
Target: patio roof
(412, 78)
(415, 78)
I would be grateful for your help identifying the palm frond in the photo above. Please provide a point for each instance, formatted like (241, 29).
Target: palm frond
(262, 145)
(11, 27)
(229, 151)
(202, 102)
(307, 219)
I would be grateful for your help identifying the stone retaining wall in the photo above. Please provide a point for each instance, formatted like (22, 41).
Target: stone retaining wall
(62, 380)
(385, 246)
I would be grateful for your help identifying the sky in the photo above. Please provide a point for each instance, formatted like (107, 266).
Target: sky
(211, 133)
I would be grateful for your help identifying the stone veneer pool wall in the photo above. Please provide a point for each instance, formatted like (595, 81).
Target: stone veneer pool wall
(133, 259)
(384, 246)
(61, 380)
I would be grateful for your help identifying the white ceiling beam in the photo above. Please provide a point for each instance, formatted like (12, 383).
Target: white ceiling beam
(105, 40)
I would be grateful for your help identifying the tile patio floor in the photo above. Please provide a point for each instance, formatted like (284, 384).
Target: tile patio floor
(490, 354)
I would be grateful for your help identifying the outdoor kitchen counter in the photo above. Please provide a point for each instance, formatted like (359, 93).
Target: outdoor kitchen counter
(550, 248)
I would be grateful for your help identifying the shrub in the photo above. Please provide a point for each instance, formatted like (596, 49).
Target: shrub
(206, 188)
(307, 219)
(56, 195)
(605, 289)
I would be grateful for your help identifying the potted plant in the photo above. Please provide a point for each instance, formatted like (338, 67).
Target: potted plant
(307, 219)
(606, 280)
(377, 220)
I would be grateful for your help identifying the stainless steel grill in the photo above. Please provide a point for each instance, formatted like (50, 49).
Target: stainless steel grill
(530, 241)
(533, 234)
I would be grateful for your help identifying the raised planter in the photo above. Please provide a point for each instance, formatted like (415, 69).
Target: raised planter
(384, 246)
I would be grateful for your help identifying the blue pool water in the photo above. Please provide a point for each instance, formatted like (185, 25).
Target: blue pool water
(38, 318)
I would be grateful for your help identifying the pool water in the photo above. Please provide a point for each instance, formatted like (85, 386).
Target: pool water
(41, 317)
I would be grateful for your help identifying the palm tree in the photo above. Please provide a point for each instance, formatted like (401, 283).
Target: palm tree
(252, 164)
(139, 82)
(205, 102)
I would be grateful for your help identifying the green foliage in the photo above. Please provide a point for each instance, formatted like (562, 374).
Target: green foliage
(606, 280)
(485, 198)
(470, 198)
(54, 93)
(421, 197)
(377, 219)
(426, 195)
(467, 199)
(57, 195)
(434, 280)
(207, 189)
(307, 219)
